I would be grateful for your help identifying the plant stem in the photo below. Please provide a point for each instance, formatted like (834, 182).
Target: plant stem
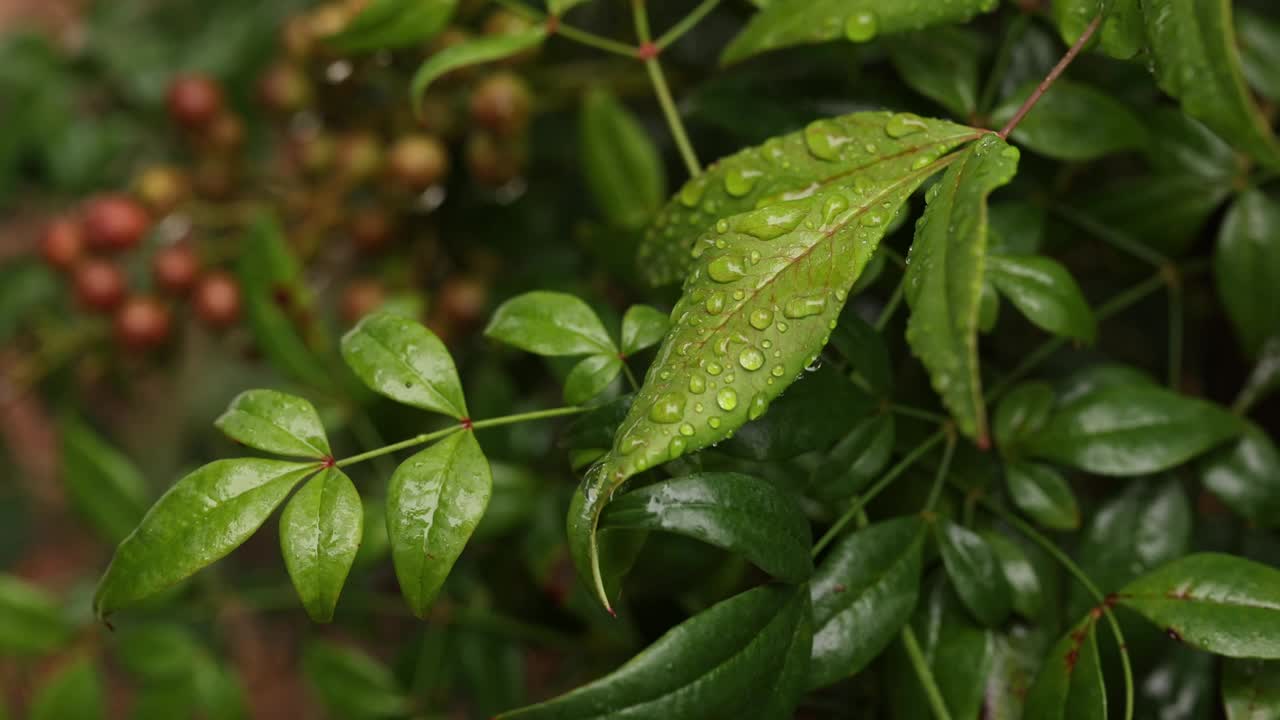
(943, 468)
(1052, 77)
(876, 489)
(631, 377)
(892, 306)
(692, 19)
(394, 447)
(925, 675)
(649, 52)
(918, 414)
(578, 35)
(1176, 325)
(525, 417)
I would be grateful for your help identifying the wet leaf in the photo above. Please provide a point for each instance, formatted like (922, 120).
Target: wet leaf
(1045, 293)
(1246, 265)
(1041, 492)
(1022, 413)
(1251, 689)
(643, 327)
(857, 458)
(1073, 122)
(975, 571)
(406, 362)
(275, 422)
(942, 65)
(590, 377)
(1070, 685)
(1024, 583)
(550, 323)
(1122, 34)
(320, 532)
(1245, 475)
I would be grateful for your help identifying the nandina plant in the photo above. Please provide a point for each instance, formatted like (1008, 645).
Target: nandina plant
(815, 471)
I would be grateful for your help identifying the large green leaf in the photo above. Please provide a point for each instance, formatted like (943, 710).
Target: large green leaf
(1022, 413)
(1070, 684)
(204, 516)
(945, 274)
(1246, 265)
(275, 422)
(550, 323)
(1122, 34)
(590, 377)
(1219, 603)
(622, 165)
(403, 360)
(1073, 122)
(1043, 494)
(757, 308)
(1027, 594)
(856, 459)
(827, 153)
(473, 52)
(388, 24)
(726, 662)
(1246, 476)
(1045, 293)
(103, 483)
(30, 620)
(942, 65)
(863, 593)
(1182, 145)
(353, 684)
(783, 23)
(1251, 689)
(975, 571)
(320, 532)
(74, 692)
(1132, 430)
(434, 502)
(1193, 44)
(740, 513)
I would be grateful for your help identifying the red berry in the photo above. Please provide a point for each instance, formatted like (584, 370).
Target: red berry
(99, 285)
(175, 268)
(371, 229)
(416, 162)
(501, 103)
(142, 323)
(463, 300)
(361, 298)
(115, 222)
(62, 243)
(217, 299)
(194, 100)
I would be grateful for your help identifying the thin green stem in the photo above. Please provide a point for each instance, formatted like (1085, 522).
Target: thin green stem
(395, 447)
(925, 675)
(1176, 327)
(944, 468)
(1051, 78)
(917, 413)
(1112, 237)
(892, 306)
(852, 511)
(649, 53)
(578, 35)
(631, 377)
(526, 417)
(678, 30)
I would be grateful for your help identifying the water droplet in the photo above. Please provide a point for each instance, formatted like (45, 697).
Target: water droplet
(739, 181)
(698, 407)
(824, 139)
(760, 318)
(714, 369)
(630, 443)
(738, 294)
(713, 422)
(722, 226)
(759, 404)
(715, 304)
(692, 192)
(727, 399)
(751, 359)
(686, 430)
(802, 307)
(832, 207)
(677, 447)
(778, 371)
(697, 384)
(783, 327)
(753, 257)
(725, 268)
(766, 343)
(771, 222)
(668, 408)
(861, 27)
(904, 124)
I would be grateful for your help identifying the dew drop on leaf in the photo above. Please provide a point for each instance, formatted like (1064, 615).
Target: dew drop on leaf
(727, 399)
(761, 318)
(725, 269)
(751, 359)
(669, 408)
(697, 384)
(715, 303)
(759, 404)
(861, 27)
(803, 307)
(901, 125)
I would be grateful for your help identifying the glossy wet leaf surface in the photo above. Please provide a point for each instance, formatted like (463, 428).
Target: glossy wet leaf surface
(975, 571)
(1245, 474)
(1042, 494)
(401, 359)
(1044, 291)
(1246, 265)
(1122, 34)
(1027, 593)
(944, 278)
(856, 459)
(1251, 689)
(550, 323)
(590, 377)
(204, 516)
(1070, 685)
(103, 483)
(1022, 412)
(1073, 122)
(434, 502)
(275, 422)
(320, 531)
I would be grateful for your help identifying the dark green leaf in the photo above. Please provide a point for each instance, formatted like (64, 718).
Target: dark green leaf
(863, 593)
(204, 516)
(1027, 596)
(388, 24)
(550, 323)
(516, 489)
(1070, 684)
(351, 683)
(988, 308)
(434, 502)
(406, 362)
(1017, 228)
(1218, 603)
(1264, 379)
(275, 422)
(590, 377)
(1196, 60)
(643, 327)
(784, 23)
(975, 571)
(1045, 293)
(103, 483)
(473, 52)
(560, 7)
(1246, 476)
(158, 653)
(1165, 212)
(1122, 34)
(1097, 378)
(320, 533)
(942, 65)
(1181, 685)
(726, 662)
(739, 513)
(74, 692)
(31, 623)
(1017, 659)
(1041, 492)
(828, 153)
(1073, 122)
(622, 165)
(945, 274)
(1246, 265)
(1251, 689)
(856, 459)
(1182, 145)
(1022, 413)
(1258, 36)
(865, 350)
(374, 543)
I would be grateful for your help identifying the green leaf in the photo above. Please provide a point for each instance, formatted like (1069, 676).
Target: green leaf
(1245, 475)
(1264, 379)
(1022, 413)
(975, 571)
(1041, 492)
(988, 308)
(857, 458)
(620, 161)
(275, 422)
(784, 23)
(103, 482)
(273, 295)
(351, 683)
(320, 532)
(434, 502)
(403, 360)
(863, 593)
(74, 692)
(1045, 293)
(157, 653)
(560, 7)
(590, 377)
(1193, 45)
(1251, 689)
(31, 623)
(1122, 34)
(390, 24)
(550, 323)
(1017, 228)
(1259, 39)
(758, 307)
(1073, 122)
(1027, 596)
(739, 513)
(866, 352)
(945, 274)
(1182, 145)
(725, 662)
(826, 154)
(1166, 212)
(473, 52)
(1070, 685)
(942, 65)
(1218, 603)
(643, 327)
(1246, 265)
(204, 516)
(1132, 430)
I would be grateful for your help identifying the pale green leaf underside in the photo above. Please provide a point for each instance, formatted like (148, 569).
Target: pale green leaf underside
(275, 422)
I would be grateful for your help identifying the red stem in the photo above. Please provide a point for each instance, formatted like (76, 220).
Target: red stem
(1052, 77)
